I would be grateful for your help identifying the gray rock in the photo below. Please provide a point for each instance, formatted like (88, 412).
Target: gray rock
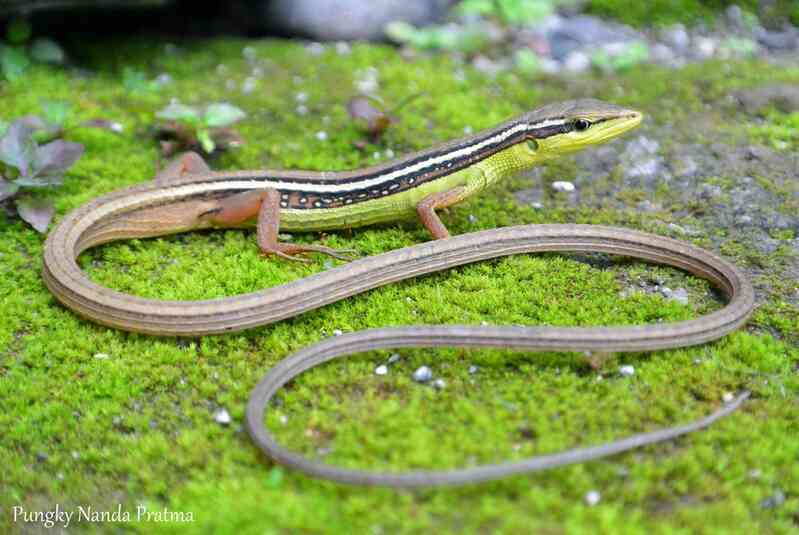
(577, 61)
(677, 37)
(575, 33)
(341, 20)
(784, 97)
(785, 40)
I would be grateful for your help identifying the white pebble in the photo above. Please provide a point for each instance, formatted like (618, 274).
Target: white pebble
(222, 416)
(337, 332)
(249, 85)
(301, 109)
(537, 205)
(422, 374)
(102, 356)
(249, 53)
(394, 358)
(592, 497)
(626, 371)
(727, 397)
(473, 369)
(381, 370)
(440, 384)
(562, 185)
(321, 135)
(343, 48)
(301, 97)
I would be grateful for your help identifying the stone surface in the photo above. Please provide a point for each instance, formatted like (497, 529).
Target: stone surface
(347, 19)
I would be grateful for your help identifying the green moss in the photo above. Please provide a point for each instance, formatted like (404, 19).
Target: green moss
(94, 416)
(780, 130)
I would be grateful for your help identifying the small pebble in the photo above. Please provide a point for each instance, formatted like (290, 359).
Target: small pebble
(302, 109)
(75, 455)
(472, 219)
(727, 397)
(423, 374)
(626, 371)
(337, 332)
(537, 205)
(577, 62)
(315, 49)
(283, 419)
(394, 358)
(775, 500)
(439, 384)
(301, 97)
(592, 497)
(473, 369)
(381, 370)
(249, 53)
(562, 185)
(321, 135)
(102, 356)
(249, 85)
(222, 416)
(41, 456)
(343, 48)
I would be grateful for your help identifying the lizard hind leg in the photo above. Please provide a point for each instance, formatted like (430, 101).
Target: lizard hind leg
(183, 165)
(269, 226)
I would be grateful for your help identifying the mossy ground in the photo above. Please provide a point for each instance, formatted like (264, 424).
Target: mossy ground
(137, 427)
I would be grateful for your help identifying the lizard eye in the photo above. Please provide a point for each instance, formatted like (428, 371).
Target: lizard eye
(581, 124)
(532, 145)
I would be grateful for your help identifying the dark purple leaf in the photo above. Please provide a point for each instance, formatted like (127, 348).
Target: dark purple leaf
(36, 212)
(56, 157)
(105, 124)
(17, 147)
(33, 122)
(7, 189)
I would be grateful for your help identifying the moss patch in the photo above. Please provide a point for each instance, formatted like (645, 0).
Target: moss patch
(94, 416)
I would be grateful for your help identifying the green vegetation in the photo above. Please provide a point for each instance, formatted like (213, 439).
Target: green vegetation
(665, 12)
(18, 52)
(201, 128)
(93, 416)
(780, 130)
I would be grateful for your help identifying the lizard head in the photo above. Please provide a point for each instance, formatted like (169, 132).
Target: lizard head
(573, 125)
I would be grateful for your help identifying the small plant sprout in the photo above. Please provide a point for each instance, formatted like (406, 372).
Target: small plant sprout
(18, 52)
(58, 119)
(28, 168)
(370, 114)
(192, 127)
